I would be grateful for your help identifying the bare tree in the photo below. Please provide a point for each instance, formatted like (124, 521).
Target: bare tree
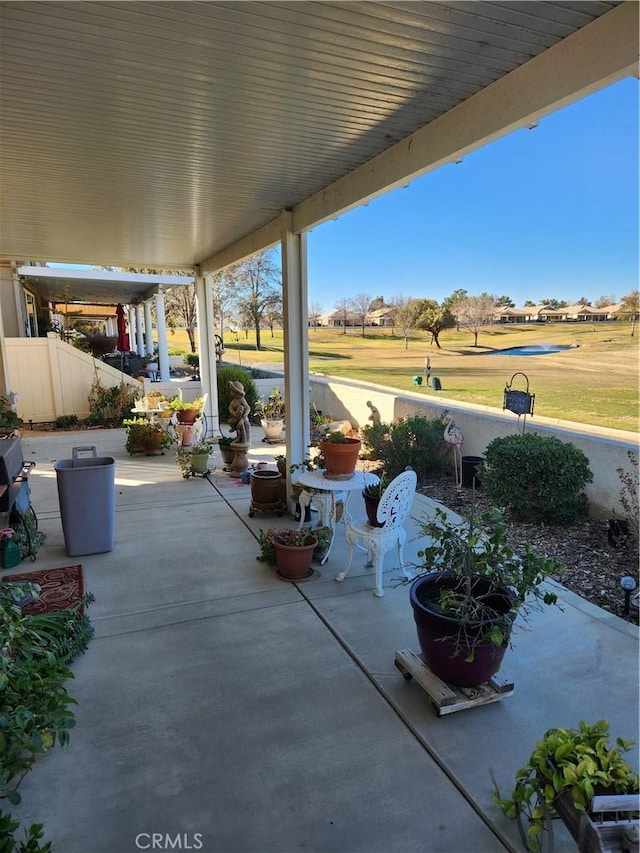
(360, 305)
(474, 312)
(224, 292)
(630, 308)
(604, 300)
(406, 313)
(180, 307)
(343, 306)
(315, 312)
(260, 289)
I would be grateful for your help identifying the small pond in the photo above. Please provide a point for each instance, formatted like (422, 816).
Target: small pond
(534, 349)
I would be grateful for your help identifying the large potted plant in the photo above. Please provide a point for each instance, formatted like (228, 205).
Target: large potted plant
(471, 588)
(290, 549)
(340, 455)
(271, 411)
(143, 436)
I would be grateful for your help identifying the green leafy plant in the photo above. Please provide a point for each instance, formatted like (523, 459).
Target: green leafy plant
(578, 761)
(537, 478)
(29, 844)
(35, 710)
(184, 456)
(143, 436)
(178, 405)
(8, 418)
(271, 407)
(416, 442)
(192, 359)
(478, 547)
(66, 421)
(336, 437)
(374, 490)
(225, 440)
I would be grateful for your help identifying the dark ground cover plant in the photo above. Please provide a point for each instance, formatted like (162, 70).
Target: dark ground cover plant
(35, 710)
(234, 374)
(537, 478)
(67, 421)
(415, 441)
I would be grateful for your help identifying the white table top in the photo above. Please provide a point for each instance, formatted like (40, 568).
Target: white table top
(317, 480)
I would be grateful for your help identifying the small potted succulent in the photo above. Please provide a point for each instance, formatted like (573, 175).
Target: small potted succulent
(372, 493)
(290, 549)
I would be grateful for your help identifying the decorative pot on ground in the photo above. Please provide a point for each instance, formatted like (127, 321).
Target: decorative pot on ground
(294, 561)
(265, 491)
(199, 462)
(340, 455)
(272, 429)
(442, 638)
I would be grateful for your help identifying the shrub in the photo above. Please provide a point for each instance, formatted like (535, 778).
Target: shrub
(235, 374)
(192, 359)
(537, 478)
(416, 441)
(96, 344)
(66, 421)
(109, 406)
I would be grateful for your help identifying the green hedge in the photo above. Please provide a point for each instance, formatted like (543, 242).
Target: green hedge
(537, 478)
(235, 374)
(416, 441)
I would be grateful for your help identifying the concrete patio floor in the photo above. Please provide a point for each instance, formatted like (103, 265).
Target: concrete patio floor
(232, 711)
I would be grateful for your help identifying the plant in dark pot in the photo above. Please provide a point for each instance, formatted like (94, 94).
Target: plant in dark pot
(471, 588)
(290, 549)
(224, 443)
(372, 493)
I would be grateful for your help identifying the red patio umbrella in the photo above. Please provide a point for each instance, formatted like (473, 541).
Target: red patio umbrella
(123, 337)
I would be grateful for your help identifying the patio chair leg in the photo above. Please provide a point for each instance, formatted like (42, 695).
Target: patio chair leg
(379, 560)
(347, 568)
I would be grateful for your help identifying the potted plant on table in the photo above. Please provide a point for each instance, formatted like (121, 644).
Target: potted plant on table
(144, 436)
(471, 588)
(340, 455)
(567, 769)
(187, 411)
(290, 549)
(194, 459)
(271, 411)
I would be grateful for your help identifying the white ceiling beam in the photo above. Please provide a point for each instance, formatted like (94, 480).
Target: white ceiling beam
(267, 235)
(107, 276)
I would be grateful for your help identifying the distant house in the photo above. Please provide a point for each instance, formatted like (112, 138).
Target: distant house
(515, 315)
(580, 313)
(338, 319)
(381, 317)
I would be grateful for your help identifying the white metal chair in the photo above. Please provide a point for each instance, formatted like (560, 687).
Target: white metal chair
(392, 511)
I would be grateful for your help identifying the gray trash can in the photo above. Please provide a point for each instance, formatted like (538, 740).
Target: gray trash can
(87, 495)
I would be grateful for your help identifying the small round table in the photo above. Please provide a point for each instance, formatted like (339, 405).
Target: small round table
(333, 494)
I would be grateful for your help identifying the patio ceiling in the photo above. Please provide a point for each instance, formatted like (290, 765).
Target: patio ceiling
(159, 134)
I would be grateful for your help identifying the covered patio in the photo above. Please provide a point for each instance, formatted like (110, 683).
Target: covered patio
(244, 713)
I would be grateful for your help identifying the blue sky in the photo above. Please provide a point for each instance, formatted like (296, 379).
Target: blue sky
(544, 213)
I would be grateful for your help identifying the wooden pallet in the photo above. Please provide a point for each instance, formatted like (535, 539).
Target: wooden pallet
(447, 698)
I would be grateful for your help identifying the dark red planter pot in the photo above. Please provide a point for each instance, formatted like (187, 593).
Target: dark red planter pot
(294, 561)
(371, 506)
(438, 635)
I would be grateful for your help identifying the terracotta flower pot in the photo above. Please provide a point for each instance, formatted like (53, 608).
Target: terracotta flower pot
(340, 459)
(294, 561)
(187, 416)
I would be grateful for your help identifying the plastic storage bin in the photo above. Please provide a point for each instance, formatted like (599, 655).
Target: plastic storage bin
(87, 495)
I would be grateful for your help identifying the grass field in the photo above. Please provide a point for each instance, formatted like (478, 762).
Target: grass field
(596, 382)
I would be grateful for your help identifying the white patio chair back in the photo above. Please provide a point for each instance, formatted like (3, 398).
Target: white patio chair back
(392, 512)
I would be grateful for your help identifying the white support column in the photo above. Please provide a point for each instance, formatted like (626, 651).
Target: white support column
(163, 354)
(207, 352)
(148, 329)
(133, 342)
(296, 340)
(139, 335)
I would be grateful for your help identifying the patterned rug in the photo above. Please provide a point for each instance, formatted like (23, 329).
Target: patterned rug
(59, 588)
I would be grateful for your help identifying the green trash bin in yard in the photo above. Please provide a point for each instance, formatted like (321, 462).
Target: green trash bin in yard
(417, 380)
(436, 384)
(87, 495)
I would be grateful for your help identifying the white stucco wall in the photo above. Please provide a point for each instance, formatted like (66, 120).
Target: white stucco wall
(606, 449)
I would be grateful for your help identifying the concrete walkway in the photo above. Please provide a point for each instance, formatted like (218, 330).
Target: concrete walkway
(222, 708)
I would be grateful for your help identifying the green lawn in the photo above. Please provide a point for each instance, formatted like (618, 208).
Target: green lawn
(594, 383)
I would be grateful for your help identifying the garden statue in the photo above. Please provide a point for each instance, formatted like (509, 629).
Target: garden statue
(239, 411)
(374, 417)
(453, 436)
